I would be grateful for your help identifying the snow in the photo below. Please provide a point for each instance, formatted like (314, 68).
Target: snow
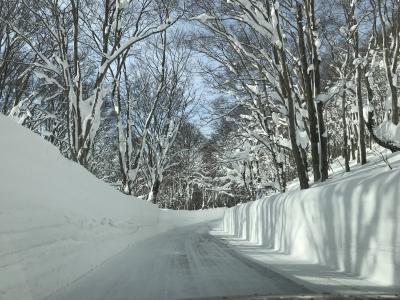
(387, 131)
(302, 139)
(342, 236)
(124, 3)
(60, 226)
(353, 28)
(253, 88)
(203, 18)
(317, 43)
(58, 222)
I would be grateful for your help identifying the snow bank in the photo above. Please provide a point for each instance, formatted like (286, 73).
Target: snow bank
(389, 132)
(58, 221)
(350, 224)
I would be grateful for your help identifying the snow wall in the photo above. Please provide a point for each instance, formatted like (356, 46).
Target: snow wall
(352, 225)
(58, 221)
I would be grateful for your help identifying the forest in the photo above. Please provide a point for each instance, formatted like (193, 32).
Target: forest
(209, 103)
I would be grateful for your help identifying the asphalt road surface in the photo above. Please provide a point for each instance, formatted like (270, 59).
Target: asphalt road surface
(185, 263)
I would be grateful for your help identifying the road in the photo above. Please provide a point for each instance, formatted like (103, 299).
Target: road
(185, 263)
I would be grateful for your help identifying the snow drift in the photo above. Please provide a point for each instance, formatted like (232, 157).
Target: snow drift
(350, 224)
(388, 132)
(58, 221)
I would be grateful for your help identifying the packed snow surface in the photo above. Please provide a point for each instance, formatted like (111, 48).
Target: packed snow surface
(58, 222)
(341, 236)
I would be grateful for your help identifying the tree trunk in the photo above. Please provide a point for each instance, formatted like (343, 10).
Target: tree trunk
(308, 97)
(361, 122)
(353, 149)
(323, 137)
(285, 85)
(154, 191)
(345, 138)
(301, 169)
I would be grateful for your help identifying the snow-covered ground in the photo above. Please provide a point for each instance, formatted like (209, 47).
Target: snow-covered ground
(58, 222)
(342, 236)
(62, 231)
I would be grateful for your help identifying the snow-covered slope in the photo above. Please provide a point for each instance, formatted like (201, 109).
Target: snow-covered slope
(350, 224)
(57, 221)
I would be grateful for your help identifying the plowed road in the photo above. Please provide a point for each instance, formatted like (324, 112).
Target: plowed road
(185, 263)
